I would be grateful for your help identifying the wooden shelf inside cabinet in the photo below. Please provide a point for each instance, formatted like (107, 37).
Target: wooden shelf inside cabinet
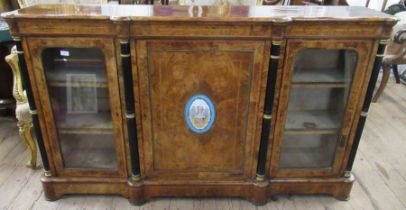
(88, 131)
(102, 84)
(59, 75)
(319, 85)
(315, 78)
(86, 124)
(312, 122)
(89, 61)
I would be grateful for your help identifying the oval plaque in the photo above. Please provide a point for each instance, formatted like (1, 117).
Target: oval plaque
(199, 113)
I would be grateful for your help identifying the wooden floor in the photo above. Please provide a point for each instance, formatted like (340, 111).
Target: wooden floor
(380, 171)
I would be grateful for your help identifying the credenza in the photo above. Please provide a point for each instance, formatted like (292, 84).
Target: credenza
(198, 101)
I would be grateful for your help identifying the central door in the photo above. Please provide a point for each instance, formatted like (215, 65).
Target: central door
(198, 105)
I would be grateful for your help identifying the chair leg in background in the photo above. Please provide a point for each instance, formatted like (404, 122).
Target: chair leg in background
(26, 135)
(384, 81)
(396, 73)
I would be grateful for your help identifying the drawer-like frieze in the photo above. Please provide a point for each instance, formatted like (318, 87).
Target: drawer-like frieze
(203, 30)
(69, 27)
(353, 29)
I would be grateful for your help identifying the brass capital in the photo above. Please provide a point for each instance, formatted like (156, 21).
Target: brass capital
(276, 57)
(276, 42)
(16, 38)
(124, 41)
(130, 116)
(47, 173)
(347, 174)
(136, 178)
(260, 177)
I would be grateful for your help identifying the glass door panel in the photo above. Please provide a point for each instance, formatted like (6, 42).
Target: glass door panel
(78, 90)
(318, 97)
(308, 151)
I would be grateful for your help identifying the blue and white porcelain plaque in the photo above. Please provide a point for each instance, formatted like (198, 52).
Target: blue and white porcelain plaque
(199, 113)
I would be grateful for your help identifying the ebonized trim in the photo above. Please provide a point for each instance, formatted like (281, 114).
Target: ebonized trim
(269, 97)
(126, 65)
(367, 103)
(31, 102)
(129, 104)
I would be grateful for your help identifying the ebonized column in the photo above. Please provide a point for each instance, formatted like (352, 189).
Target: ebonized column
(365, 106)
(26, 82)
(129, 106)
(267, 118)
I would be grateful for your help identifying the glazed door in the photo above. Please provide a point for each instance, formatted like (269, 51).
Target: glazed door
(199, 107)
(80, 105)
(322, 81)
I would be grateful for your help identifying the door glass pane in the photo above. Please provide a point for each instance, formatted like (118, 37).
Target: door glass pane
(318, 97)
(77, 85)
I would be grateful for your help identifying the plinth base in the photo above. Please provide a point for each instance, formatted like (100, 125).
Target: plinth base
(140, 192)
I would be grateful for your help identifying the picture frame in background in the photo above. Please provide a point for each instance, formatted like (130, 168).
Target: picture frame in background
(81, 93)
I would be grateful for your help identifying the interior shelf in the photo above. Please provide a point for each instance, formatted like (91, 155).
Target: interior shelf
(99, 123)
(80, 61)
(311, 132)
(313, 121)
(59, 75)
(85, 131)
(319, 85)
(323, 76)
(102, 84)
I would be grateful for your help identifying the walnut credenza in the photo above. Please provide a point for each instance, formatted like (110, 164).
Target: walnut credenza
(164, 101)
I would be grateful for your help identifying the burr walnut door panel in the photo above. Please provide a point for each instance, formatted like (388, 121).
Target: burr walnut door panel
(179, 80)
